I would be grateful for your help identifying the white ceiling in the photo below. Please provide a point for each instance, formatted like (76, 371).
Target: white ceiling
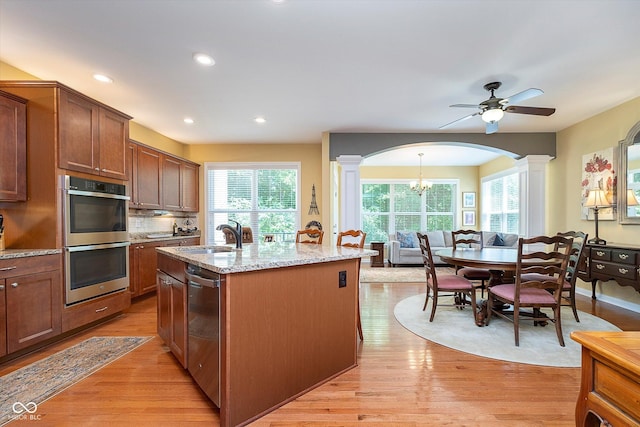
(310, 66)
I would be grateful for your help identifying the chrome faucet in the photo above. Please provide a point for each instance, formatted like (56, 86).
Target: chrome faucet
(237, 232)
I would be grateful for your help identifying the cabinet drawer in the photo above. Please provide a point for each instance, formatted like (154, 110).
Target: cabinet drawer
(616, 270)
(29, 265)
(624, 257)
(617, 389)
(600, 254)
(87, 312)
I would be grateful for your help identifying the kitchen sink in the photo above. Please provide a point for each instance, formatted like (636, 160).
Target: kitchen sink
(198, 250)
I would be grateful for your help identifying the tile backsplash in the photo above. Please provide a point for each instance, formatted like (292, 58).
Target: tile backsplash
(155, 224)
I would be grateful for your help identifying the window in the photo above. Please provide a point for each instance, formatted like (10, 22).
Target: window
(388, 207)
(500, 203)
(263, 196)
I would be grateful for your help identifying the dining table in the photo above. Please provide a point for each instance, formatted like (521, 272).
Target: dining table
(501, 263)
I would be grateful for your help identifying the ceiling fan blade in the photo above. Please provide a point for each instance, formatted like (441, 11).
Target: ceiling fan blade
(521, 96)
(536, 111)
(459, 120)
(492, 127)
(465, 105)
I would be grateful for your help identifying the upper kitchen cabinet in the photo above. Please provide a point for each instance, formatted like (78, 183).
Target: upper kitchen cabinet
(93, 137)
(13, 148)
(179, 184)
(143, 170)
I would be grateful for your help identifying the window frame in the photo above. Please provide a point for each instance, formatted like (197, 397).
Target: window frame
(485, 222)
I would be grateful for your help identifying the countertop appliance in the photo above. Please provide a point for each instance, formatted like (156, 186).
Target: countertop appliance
(203, 357)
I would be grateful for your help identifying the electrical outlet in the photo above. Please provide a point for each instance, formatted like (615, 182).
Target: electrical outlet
(342, 279)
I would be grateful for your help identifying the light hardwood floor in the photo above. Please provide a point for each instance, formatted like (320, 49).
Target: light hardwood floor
(401, 380)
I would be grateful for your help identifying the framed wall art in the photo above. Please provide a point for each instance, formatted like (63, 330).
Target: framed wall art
(468, 217)
(468, 199)
(599, 172)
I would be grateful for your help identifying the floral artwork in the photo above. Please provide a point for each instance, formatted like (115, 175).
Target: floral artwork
(599, 172)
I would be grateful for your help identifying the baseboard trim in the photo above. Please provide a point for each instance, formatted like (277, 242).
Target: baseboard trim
(610, 300)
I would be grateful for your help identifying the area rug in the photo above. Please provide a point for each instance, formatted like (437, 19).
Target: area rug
(398, 274)
(539, 345)
(23, 390)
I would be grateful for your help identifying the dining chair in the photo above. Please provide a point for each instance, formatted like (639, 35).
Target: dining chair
(354, 239)
(247, 235)
(471, 239)
(310, 235)
(448, 285)
(551, 261)
(569, 286)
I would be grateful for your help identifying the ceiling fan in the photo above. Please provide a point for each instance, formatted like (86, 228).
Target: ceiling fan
(493, 109)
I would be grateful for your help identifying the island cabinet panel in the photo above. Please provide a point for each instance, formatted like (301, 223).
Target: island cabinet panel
(93, 139)
(285, 331)
(172, 306)
(13, 148)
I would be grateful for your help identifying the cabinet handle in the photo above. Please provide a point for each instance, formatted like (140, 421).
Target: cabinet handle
(623, 256)
(98, 169)
(8, 268)
(623, 270)
(1, 287)
(14, 285)
(600, 266)
(104, 170)
(102, 309)
(141, 247)
(600, 253)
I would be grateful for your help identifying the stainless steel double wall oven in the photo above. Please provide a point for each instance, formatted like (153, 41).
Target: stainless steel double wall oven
(96, 238)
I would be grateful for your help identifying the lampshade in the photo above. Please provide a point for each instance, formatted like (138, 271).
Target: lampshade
(596, 199)
(492, 115)
(631, 198)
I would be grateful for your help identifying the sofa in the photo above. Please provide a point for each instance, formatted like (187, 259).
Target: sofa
(404, 247)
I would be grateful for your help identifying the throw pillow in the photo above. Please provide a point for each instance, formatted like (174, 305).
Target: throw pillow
(498, 240)
(406, 238)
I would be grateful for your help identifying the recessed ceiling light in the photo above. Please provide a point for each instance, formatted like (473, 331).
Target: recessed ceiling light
(260, 120)
(203, 59)
(188, 120)
(103, 78)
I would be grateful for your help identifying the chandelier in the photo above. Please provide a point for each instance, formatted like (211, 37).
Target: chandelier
(422, 184)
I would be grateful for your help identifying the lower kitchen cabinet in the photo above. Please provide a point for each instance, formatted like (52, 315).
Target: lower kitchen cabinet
(30, 301)
(172, 306)
(143, 263)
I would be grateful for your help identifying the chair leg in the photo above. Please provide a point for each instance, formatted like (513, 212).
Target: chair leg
(572, 295)
(516, 324)
(434, 305)
(489, 310)
(558, 323)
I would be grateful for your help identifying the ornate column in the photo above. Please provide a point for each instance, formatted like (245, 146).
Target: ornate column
(349, 187)
(532, 174)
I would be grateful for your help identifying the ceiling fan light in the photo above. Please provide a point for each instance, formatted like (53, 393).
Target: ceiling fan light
(492, 115)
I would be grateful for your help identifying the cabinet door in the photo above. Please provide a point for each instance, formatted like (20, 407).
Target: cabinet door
(148, 177)
(179, 325)
(148, 266)
(134, 287)
(34, 308)
(79, 127)
(189, 187)
(164, 307)
(13, 149)
(132, 174)
(171, 183)
(3, 318)
(114, 140)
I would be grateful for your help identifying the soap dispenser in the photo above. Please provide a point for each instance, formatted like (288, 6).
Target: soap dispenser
(175, 228)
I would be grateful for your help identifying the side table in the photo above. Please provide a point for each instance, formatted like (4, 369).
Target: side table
(377, 260)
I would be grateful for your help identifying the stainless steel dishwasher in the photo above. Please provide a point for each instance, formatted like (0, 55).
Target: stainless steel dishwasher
(203, 301)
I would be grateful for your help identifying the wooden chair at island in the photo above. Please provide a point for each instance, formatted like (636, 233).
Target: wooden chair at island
(450, 284)
(569, 287)
(310, 235)
(546, 292)
(471, 239)
(354, 239)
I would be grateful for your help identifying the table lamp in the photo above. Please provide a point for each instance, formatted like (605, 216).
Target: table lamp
(597, 199)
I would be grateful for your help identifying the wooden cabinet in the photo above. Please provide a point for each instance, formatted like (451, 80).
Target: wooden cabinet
(31, 294)
(610, 383)
(143, 172)
(179, 185)
(93, 138)
(143, 263)
(13, 148)
(172, 306)
(612, 262)
(377, 260)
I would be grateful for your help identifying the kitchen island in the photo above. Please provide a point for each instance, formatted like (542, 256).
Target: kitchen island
(287, 319)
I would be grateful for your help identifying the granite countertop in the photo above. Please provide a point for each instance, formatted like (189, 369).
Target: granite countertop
(24, 253)
(262, 255)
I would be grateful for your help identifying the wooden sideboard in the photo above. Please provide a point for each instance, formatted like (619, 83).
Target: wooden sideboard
(610, 384)
(619, 262)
